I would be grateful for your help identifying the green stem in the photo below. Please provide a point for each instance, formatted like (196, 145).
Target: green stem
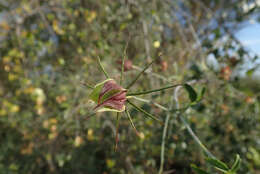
(195, 138)
(193, 135)
(102, 68)
(163, 142)
(137, 77)
(91, 115)
(123, 64)
(122, 70)
(152, 74)
(144, 112)
(154, 90)
(117, 130)
(165, 130)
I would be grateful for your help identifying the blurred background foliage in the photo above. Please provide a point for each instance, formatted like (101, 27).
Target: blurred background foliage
(47, 48)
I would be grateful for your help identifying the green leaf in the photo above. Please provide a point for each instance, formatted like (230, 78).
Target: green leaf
(236, 164)
(102, 68)
(198, 170)
(131, 121)
(192, 93)
(94, 95)
(201, 94)
(219, 165)
(250, 72)
(107, 109)
(153, 90)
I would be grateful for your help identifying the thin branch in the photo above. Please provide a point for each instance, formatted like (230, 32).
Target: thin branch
(154, 90)
(166, 123)
(91, 115)
(117, 130)
(122, 69)
(137, 77)
(123, 63)
(181, 32)
(195, 138)
(193, 135)
(152, 74)
(146, 41)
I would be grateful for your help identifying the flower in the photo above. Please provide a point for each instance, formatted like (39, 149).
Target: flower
(225, 73)
(156, 44)
(128, 65)
(109, 96)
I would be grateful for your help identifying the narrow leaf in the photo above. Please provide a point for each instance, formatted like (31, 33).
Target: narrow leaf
(218, 164)
(154, 90)
(132, 123)
(102, 68)
(137, 77)
(144, 112)
(250, 72)
(106, 109)
(96, 91)
(192, 92)
(201, 94)
(236, 164)
(86, 85)
(198, 170)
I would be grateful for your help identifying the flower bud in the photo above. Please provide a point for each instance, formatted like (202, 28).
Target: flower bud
(128, 65)
(109, 96)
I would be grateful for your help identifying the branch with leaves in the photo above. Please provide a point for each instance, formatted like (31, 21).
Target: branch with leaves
(109, 96)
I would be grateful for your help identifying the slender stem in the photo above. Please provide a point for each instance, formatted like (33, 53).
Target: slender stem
(195, 138)
(123, 64)
(137, 77)
(190, 131)
(131, 121)
(146, 113)
(165, 128)
(151, 74)
(193, 135)
(102, 68)
(91, 115)
(163, 142)
(154, 90)
(117, 130)
(122, 69)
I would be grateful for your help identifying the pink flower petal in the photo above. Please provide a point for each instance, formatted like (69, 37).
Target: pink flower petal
(116, 101)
